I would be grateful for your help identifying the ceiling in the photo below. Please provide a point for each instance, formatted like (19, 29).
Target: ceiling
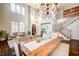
(64, 5)
(69, 5)
(34, 5)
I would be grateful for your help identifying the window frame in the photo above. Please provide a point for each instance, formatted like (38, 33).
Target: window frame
(13, 7)
(23, 11)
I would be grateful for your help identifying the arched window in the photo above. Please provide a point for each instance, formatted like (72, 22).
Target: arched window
(21, 27)
(14, 27)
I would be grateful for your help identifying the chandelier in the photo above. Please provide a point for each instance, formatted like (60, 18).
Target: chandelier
(48, 9)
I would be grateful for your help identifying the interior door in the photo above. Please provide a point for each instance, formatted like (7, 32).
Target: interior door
(33, 29)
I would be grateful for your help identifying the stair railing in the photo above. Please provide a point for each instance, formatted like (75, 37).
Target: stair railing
(66, 32)
(70, 21)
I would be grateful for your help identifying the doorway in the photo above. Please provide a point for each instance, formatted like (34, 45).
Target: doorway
(33, 29)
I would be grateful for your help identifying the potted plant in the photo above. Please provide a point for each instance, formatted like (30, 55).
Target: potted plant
(3, 34)
(28, 32)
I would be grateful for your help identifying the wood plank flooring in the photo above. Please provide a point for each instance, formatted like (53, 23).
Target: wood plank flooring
(74, 47)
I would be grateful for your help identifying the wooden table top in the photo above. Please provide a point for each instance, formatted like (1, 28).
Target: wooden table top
(45, 49)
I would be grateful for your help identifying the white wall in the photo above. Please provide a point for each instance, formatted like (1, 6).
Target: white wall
(35, 19)
(74, 30)
(6, 17)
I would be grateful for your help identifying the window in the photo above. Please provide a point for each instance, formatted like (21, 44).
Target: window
(23, 11)
(13, 7)
(18, 9)
(21, 27)
(14, 27)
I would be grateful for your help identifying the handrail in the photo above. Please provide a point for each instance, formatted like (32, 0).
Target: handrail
(71, 21)
(66, 32)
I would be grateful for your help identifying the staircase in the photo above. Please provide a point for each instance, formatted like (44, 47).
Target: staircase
(63, 30)
(70, 21)
(66, 31)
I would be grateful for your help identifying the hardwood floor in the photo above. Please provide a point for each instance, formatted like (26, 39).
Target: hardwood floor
(74, 47)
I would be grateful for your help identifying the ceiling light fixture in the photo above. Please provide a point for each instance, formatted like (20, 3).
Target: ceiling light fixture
(48, 9)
